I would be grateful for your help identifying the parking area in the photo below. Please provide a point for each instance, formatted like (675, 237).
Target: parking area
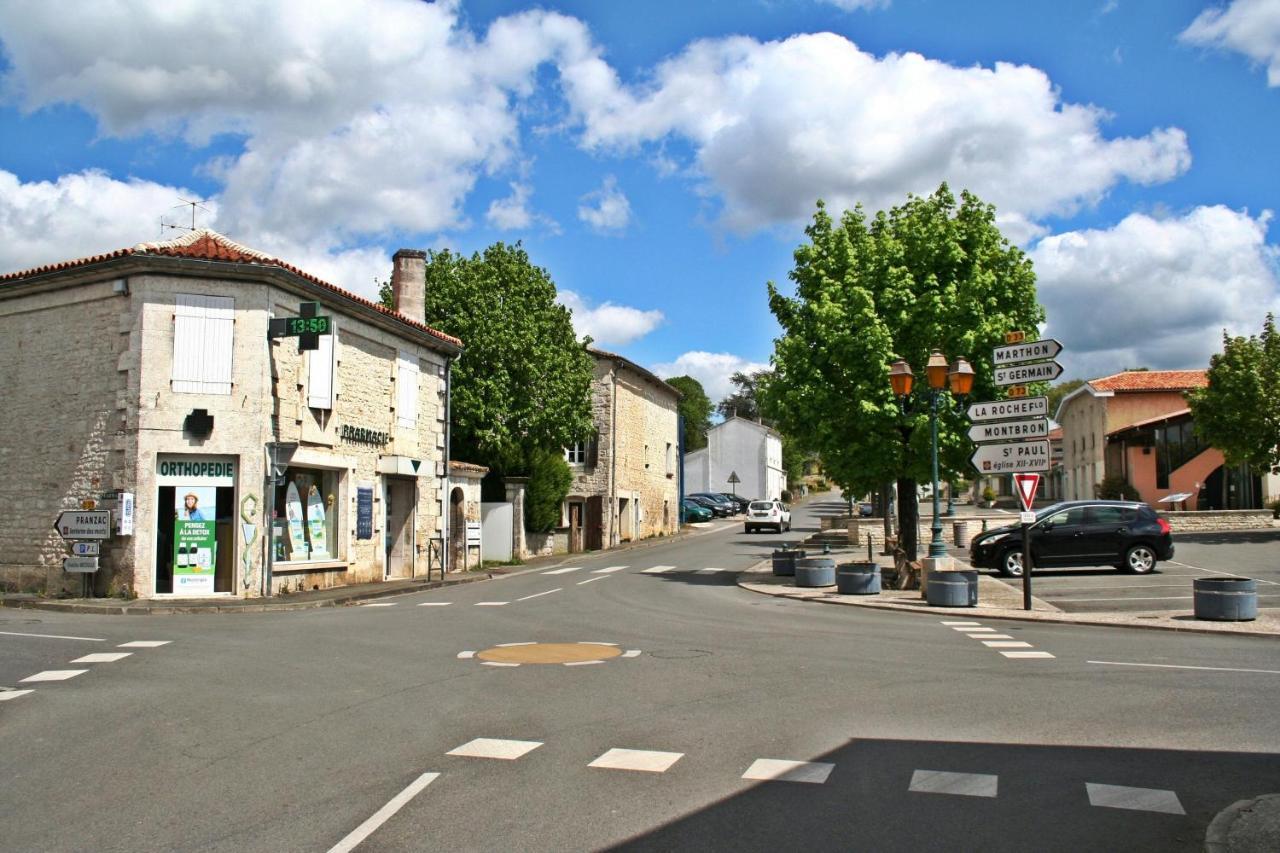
(1254, 555)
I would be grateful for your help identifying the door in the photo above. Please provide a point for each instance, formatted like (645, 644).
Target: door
(1059, 539)
(595, 523)
(1108, 532)
(575, 527)
(400, 501)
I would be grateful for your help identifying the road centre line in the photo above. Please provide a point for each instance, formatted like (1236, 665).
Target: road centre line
(491, 604)
(537, 594)
(382, 815)
(53, 636)
(608, 571)
(1216, 572)
(563, 571)
(1185, 666)
(589, 580)
(435, 604)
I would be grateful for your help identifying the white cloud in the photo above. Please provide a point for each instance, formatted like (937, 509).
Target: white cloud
(609, 324)
(1251, 27)
(851, 5)
(1156, 292)
(511, 213)
(777, 125)
(712, 369)
(607, 208)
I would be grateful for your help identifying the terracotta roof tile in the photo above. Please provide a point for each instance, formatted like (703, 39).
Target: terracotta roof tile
(204, 244)
(1152, 380)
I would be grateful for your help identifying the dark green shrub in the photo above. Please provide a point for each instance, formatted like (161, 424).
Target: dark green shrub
(549, 482)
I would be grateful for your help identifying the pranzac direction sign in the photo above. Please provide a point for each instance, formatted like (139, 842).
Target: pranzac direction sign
(84, 524)
(1011, 457)
(1020, 374)
(999, 410)
(1007, 430)
(1028, 351)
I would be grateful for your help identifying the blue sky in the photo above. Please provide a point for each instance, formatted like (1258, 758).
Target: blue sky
(660, 159)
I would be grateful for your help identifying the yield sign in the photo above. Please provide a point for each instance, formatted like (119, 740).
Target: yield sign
(1026, 485)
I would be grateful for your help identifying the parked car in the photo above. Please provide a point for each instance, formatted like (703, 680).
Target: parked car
(738, 500)
(1126, 534)
(773, 514)
(729, 507)
(694, 511)
(718, 510)
(866, 510)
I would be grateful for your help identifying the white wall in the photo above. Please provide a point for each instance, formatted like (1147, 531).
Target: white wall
(746, 448)
(695, 472)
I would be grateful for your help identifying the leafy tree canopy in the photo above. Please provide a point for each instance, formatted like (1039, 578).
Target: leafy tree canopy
(695, 408)
(744, 401)
(1056, 393)
(1239, 412)
(523, 384)
(929, 273)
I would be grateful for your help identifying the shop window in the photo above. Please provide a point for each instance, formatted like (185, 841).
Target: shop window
(202, 342)
(306, 525)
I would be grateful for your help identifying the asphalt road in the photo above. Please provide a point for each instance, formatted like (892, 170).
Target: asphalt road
(316, 729)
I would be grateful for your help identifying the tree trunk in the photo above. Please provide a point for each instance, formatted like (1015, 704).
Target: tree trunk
(886, 512)
(908, 518)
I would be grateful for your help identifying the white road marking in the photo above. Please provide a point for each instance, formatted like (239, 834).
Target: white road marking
(710, 571)
(1136, 799)
(486, 747)
(609, 570)
(595, 643)
(54, 675)
(1216, 572)
(525, 643)
(53, 636)
(962, 624)
(977, 629)
(435, 604)
(631, 653)
(144, 644)
(103, 657)
(589, 580)
(1026, 654)
(491, 604)
(779, 770)
(539, 594)
(995, 637)
(1183, 666)
(497, 663)
(1006, 644)
(381, 604)
(978, 632)
(6, 695)
(582, 662)
(564, 571)
(657, 570)
(364, 830)
(964, 784)
(466, 655)
(637, 759)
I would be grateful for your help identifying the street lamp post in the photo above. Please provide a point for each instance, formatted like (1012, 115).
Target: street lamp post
(959, 380)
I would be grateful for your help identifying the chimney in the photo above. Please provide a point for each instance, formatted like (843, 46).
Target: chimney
(409, 282)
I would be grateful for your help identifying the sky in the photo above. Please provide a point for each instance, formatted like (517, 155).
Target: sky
(661, 159)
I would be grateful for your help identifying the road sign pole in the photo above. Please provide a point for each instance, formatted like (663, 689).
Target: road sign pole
(1026, 566)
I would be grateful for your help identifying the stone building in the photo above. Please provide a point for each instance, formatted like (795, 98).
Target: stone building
(749, 449)
(625, 483)
(144, 381)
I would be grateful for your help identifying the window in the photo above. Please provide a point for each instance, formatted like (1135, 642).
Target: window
(1112, 515)
(320, 372)
(407, 390)
(202, 339)
(576, 453)
(671, 460)
(306, 524)
(1075, 515)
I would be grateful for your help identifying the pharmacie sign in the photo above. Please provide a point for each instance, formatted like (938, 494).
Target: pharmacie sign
(196, 470)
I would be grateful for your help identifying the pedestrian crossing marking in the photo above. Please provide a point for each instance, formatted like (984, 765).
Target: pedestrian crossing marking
(103, 657)
(54, 675)
(778, 770)
(485, 747)
(144, 644)
(963, 784)
(1134, 799)
(564, 571)
(435, 604)
(657, 570)
(6, 695)
(644, 760)
(1026, 654)
(608, 571)
(1006, 644)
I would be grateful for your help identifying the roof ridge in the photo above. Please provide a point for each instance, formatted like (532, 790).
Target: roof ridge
(196, 235)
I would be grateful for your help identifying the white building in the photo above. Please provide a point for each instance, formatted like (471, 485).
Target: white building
(737, 446)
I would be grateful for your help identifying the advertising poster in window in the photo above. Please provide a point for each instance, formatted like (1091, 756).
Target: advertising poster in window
(293, 514)
(315, 525)
(194, 540)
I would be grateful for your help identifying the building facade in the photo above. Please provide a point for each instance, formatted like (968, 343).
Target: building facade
(145, 382)
(738, 446)
(625, 484)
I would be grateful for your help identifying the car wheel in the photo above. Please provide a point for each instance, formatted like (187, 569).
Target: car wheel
(1140, 559)
(1010, 564)
(750, 529)
(788, 527)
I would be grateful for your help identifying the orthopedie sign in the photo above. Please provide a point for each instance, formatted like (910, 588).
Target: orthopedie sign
(188, 471)
(997, 410)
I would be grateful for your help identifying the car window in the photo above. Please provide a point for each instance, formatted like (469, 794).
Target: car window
(761, 505)
(1112, 515)
(1075, 515)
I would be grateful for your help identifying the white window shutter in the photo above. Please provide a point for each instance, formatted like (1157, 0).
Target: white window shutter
(320, 372)
(407, 390)
(188, 344)
(219, 321)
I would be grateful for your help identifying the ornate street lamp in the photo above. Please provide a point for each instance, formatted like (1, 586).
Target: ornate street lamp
(958, 378)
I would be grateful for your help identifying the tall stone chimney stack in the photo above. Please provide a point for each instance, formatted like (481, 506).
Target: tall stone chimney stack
(409, 282)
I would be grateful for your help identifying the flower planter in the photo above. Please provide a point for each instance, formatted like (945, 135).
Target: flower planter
(1225, 599)
(815, 571)
(952, 589)
(858, 579)
(784, 562)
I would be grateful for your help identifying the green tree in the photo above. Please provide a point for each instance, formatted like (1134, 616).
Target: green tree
(695, 408)
(549, 482)
(1239, 412)
(744, 401)
(523, 384)
(929, 273)
(1057, 393)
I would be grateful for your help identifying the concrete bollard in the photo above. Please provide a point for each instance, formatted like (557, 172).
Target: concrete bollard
(855, 533)
(1225, 599)
(960, 534)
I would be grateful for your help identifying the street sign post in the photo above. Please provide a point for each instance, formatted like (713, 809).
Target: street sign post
(734, 480)
(1004, 410)
(85, 549)
(80, 565)
(84, 524)
(1006, 430)
(1011, 457)
(1021, 374)
(1027, 351)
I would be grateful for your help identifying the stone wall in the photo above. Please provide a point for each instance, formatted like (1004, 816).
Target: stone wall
(1227, 519)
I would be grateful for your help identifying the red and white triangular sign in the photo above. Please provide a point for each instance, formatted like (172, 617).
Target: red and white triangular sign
(1026, 486)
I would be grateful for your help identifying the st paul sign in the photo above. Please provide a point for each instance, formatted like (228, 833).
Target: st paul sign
(1011, 457)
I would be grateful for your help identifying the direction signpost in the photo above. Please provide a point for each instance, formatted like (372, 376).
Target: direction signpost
(1011, 456)
(1021, 374)
(1025, 485)
(1004, 430)
(84, 524)
(734, 480)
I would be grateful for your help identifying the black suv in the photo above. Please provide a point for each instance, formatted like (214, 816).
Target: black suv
(1125, 534)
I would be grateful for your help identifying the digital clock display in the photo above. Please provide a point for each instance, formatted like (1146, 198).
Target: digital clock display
(308, 325)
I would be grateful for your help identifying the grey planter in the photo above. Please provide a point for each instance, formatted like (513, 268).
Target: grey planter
(952, 589)
(1225, 599)
(858, 579)
(784, 561)
(815, 571)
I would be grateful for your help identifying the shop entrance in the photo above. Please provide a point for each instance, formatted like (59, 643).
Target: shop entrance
(400, 501)
(189, 554)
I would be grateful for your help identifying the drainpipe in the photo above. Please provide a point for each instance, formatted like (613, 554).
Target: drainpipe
(680, 471)
(445, 505)
(615, 535)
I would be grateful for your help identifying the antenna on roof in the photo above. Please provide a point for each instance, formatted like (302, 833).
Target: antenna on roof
(193, 204)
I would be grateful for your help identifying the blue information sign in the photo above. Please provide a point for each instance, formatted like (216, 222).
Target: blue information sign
(364, 513)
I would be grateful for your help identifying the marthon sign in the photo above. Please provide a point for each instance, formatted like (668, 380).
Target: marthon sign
(1029, 351)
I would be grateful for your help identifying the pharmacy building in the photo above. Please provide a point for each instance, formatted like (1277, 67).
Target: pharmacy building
(196, 418)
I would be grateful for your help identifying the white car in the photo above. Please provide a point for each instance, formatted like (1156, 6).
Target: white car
(773, 514)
